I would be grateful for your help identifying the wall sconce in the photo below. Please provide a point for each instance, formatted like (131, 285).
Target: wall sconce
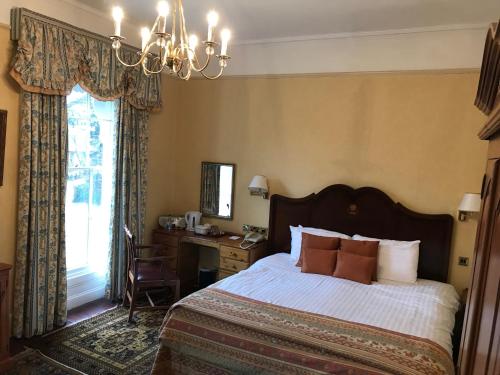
(258, 186)
(471, 203)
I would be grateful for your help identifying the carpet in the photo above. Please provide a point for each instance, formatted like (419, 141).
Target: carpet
(32, 362)
(107, 344)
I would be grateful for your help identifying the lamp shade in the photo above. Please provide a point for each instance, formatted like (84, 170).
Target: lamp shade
(258, 183)
(471, 202)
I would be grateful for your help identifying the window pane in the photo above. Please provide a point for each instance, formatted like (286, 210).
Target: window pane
(89, 197)
(77, 217)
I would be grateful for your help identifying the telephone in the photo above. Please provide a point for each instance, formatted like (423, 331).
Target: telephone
(251, 238)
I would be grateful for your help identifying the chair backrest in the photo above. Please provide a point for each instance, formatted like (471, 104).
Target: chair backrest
(131, 250)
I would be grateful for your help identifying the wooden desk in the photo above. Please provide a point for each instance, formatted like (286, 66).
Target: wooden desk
(4, 311)
(185, 259)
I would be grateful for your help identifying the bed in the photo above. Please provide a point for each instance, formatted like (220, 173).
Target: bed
(273, 319)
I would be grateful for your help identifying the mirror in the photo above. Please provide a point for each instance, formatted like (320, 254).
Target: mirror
(217, 190)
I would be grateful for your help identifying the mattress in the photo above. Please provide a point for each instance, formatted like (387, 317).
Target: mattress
(425, 309)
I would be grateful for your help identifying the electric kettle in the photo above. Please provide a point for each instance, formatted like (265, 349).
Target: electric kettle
(192, 219)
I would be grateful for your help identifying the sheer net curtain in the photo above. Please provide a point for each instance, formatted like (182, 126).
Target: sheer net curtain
(51, 58)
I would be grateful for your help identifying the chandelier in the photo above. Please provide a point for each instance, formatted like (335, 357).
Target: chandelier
(174, 51)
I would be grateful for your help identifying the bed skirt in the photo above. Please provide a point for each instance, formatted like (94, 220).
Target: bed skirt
(216, 332)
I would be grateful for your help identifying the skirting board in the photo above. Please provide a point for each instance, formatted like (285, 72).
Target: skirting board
(85, 297)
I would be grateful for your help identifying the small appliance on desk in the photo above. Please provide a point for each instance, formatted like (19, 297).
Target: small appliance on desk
(192, 219)
(170, 222)
(208, 230)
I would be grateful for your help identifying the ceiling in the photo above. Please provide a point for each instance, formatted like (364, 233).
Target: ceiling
(257, 20)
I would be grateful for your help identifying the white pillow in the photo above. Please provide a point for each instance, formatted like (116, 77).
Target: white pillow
(397, 260)
(296, 233)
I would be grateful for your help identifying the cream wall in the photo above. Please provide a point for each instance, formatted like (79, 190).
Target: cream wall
(9, 100)
(413, 135)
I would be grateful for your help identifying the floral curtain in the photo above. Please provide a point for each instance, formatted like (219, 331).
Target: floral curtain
(130, 191)
(40, 270)
(52, 57)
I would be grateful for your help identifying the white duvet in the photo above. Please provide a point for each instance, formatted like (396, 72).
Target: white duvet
(425, 309)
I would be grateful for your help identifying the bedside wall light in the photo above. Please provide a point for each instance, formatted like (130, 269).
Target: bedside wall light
(258, 186)
(471, 203)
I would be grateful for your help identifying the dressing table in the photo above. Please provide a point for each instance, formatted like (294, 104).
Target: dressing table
(183, 247)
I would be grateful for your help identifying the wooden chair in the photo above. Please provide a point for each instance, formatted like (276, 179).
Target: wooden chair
(146, 273)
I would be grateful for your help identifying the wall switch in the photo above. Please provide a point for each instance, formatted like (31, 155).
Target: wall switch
(463, 261)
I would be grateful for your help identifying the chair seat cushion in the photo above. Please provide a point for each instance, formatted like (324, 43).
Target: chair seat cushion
(153, 271)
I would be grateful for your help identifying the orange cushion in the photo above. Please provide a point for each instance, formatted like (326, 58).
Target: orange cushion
(319, 261)
(364, 248)
(355, 267)
(317, 242)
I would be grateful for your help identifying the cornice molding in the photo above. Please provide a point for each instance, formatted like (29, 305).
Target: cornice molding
(364, 34)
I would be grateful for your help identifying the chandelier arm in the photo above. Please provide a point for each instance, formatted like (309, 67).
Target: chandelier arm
(212, 77)
(181, 66)
(151, 71)
(184, 77)
(128, 65)
(205, 66)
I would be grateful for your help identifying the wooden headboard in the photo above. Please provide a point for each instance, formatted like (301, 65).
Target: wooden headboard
(369, 212)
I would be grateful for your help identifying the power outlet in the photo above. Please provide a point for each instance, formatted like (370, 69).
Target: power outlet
(253, 228)
(463, 261)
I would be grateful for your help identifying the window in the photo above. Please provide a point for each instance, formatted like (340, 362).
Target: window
(89, 192)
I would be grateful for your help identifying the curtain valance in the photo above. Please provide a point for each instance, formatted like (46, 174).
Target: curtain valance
(52, 57)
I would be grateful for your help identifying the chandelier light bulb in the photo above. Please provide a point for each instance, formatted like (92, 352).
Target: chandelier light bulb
(193, 43)
(163, 8)
(117, 14)
(145, 35)
(225, 35)
(213, 19)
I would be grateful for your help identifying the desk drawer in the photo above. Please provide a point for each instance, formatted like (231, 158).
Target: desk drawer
(233, 253)
(232, 265)
(166, 239)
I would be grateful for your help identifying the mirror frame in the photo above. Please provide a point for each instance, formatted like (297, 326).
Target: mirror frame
(233, 185)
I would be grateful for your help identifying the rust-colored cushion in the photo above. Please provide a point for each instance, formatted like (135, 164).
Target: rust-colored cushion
(319, 261)
(364, 248)
(355, 267)
(317, 242)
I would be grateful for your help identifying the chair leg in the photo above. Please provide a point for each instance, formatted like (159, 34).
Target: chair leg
(127, 287)
(132, 304)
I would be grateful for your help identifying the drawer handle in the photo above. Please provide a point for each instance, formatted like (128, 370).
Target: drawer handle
(234, 254)
(234, 267)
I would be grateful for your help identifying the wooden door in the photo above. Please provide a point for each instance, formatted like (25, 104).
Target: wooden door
(480, 339)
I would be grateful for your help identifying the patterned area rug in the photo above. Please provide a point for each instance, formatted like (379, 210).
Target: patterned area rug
(32, 362)
(107, 344)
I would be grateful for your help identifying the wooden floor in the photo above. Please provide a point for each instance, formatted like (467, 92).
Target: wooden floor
(74, 316)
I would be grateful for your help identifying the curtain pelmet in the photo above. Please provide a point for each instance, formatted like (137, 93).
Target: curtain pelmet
(52, 57)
